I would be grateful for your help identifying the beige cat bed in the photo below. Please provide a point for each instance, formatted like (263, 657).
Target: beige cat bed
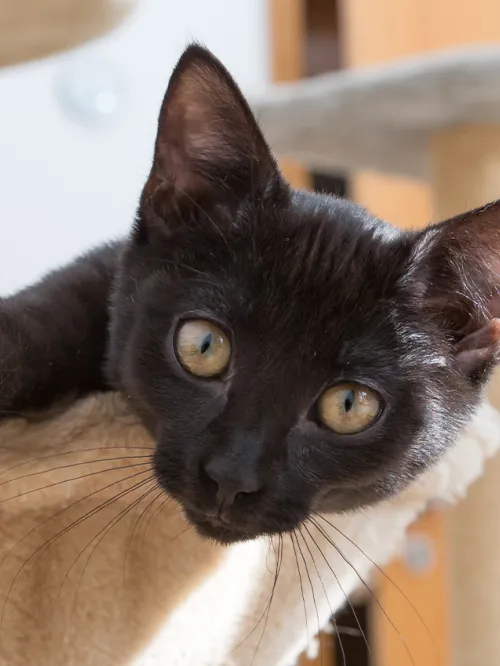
(132, 585)
(32, 29)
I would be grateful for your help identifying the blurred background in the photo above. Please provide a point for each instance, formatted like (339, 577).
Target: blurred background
(80, 89)
(77, 128)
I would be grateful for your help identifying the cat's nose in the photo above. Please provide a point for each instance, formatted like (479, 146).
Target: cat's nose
(231, 480)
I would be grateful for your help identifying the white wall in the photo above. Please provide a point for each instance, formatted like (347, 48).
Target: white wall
(70, 179)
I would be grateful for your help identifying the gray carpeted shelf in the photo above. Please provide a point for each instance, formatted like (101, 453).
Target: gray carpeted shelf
(381, 118)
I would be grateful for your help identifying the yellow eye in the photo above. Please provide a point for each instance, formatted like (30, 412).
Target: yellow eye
(202, 348)
(349, 408)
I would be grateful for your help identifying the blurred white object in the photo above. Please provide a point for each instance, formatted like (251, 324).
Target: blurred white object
(91, 89)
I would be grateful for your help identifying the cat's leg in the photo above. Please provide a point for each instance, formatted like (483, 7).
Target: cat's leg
(53, 335)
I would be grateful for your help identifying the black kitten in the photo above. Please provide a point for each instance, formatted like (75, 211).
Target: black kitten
(288, 351)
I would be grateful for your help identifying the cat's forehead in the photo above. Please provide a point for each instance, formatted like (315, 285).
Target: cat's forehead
(321, 266)
(339, 213)
(317, 266)
(320, 237)
(327, 249)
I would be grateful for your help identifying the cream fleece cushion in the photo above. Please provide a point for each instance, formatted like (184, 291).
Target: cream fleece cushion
(132, 584)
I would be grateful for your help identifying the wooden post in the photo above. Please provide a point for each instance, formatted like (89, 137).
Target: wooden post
(287, 26)
(466, 173)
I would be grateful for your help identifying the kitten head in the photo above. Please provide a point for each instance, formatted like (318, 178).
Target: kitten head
(290, 352)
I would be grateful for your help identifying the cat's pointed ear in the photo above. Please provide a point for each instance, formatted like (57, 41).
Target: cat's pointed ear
(456, 270)
(208, 145)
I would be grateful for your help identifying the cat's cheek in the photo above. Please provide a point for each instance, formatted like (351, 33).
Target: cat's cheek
(342, 500)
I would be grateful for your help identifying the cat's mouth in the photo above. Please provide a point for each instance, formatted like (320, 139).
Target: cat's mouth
(224, 532)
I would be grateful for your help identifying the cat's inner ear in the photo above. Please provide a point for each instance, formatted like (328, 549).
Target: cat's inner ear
(457, 271)
(208, 142)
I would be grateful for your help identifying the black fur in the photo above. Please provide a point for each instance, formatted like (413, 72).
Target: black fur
(311, 290)
(53, 335)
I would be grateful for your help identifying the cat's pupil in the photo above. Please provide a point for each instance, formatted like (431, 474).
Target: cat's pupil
(349, 401)
(206, 343)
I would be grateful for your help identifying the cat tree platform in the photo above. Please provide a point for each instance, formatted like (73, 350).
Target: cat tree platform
(33, 29)
(434, 118)
(382, 118)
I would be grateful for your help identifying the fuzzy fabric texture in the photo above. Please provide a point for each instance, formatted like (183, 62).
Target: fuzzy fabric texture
(381, 117)
(131, 584)
(34, 29)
